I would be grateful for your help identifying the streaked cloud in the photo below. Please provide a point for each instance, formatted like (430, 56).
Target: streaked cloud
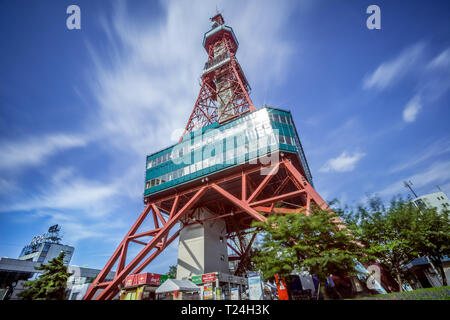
(33, 151)
(343, 163)
(83, 206)
(147, 86)
(435, 149)
(87, 196)
(437, 173)
(412, 109)
(7, 186)
(388, 73)
(440, 61)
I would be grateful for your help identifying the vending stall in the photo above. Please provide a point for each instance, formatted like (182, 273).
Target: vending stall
(141, 286)
(178, 290)
(220, 286)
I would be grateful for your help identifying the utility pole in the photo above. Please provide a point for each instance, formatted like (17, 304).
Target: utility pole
(408, 184)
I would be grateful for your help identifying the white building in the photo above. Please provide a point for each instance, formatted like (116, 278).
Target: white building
(438, 200)
(426, 274)
(80, 281)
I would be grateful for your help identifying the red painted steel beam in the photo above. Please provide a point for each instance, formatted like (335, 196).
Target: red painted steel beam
(234, 249)
(310, 190)
(263, 183)
(136, 241)
(244, 186)
(102, 275)
(174, 206)
(103, 284)
(239, 203)
(158, 213)
(155, 219)
(123, 256)
(209, 219)
(151, 245)
(145, 234)
(279, 210)
(216, 180)
(278, 198)
(244, 255)
(156, 253)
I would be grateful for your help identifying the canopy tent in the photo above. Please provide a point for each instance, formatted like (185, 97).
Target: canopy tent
(171, 285)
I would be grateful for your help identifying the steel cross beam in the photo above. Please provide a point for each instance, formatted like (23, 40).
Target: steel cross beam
(155, 243)
(257, 201)
(242, 264)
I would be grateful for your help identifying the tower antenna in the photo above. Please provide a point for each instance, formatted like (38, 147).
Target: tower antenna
(408, 184)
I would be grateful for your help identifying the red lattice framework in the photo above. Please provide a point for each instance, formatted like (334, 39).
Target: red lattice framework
(223, 68)
(238, 197)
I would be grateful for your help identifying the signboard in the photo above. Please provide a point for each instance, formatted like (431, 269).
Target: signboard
(164, 277)
(255, 291)
(197, 279)
(149, 278)
(209, 277)
(130, 280)
(139, 292)
(234, 293)
(218, 294)
(208, 292)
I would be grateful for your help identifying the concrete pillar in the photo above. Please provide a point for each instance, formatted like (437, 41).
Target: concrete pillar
(202, 248)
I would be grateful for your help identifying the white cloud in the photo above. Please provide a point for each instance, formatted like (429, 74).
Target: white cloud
(391, 71)
(437, 173)
(86, 196)
(440, 61)
(34, 151)
(84, 207)
(439, 147)
(148, 83)
(343, 163)
(412, 109)
(7, 187)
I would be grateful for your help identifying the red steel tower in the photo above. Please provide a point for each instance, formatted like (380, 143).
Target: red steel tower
(224, 93)
(220, 165)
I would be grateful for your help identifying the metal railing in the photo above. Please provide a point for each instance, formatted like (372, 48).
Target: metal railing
(216, 60)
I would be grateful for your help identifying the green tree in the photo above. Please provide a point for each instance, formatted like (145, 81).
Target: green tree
(51, 285)
(172, 272)
(434, 237)
(316, 243)
(390, 233)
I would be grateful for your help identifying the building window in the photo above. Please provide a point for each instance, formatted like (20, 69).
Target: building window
(276, 117)
(74, 296)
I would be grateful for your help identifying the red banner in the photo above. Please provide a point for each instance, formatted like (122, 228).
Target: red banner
(149, 278)
(210, 277)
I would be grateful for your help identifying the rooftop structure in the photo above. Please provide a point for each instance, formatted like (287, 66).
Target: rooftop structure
(219, 147)
(436, 200)
(47, 246)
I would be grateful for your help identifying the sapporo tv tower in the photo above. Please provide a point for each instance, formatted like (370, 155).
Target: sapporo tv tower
(232, 165)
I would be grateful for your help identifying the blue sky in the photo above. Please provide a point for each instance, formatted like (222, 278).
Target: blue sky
(80, 109)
